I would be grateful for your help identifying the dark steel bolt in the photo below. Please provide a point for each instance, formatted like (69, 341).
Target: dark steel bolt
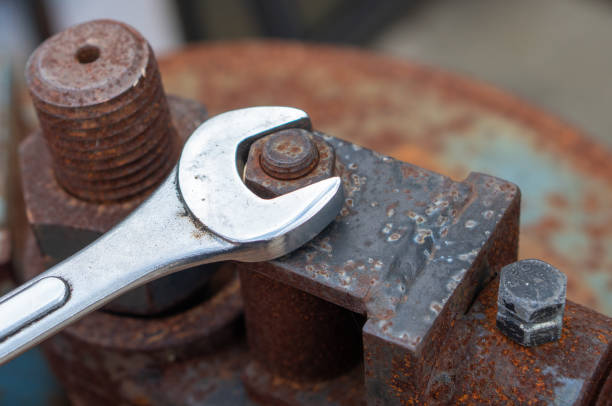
(289, 154)
(102, 110)
(531, 302)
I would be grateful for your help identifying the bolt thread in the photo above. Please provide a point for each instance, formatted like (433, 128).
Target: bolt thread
(102, 110)
(289, 154)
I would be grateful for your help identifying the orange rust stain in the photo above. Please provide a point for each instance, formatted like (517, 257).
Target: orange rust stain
(557, 200)
(590, 203)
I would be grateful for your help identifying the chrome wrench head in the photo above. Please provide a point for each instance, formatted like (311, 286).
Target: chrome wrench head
(224, 221)
(209, 179)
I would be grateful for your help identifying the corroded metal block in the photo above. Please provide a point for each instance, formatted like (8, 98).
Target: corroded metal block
(486, 367)
(410, 249)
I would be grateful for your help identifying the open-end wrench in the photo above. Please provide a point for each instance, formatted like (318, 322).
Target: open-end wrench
(201, 213)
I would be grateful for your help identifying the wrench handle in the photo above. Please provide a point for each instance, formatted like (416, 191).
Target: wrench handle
(157, 239)
(31, 303)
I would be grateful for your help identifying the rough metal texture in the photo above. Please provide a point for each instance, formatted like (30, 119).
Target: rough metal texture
(437, 120)
(479, 365)
(102, 110)
(303, 350)
(295, 335)
(530, 302)
(267, 186)
(64, 224)
(530, 334)
(268, 389)
(289, 154)
(410, 249)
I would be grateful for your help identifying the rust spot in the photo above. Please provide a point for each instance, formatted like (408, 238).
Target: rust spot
(558, 201)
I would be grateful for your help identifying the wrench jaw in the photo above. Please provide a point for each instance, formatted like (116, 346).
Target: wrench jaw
(327, 198)
(211, 186)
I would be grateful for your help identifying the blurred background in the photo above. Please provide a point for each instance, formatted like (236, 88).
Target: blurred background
(553, 54)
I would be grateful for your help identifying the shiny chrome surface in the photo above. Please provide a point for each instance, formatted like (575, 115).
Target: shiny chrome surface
(31, 303)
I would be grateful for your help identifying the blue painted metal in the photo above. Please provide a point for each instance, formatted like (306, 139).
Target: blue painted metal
(27, 380)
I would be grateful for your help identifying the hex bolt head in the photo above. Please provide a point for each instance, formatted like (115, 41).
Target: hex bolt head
(289, 154)
(531, 301)
(287, 160)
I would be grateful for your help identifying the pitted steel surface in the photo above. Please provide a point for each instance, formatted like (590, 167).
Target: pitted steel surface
(289, 154)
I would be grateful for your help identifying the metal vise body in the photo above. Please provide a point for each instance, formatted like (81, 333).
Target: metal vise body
(394, 303)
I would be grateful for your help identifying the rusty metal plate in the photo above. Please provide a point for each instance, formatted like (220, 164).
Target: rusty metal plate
(486, 367)
(436, 120)
(410, 249)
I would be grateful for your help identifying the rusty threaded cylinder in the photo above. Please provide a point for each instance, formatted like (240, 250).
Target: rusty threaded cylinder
(102, 110)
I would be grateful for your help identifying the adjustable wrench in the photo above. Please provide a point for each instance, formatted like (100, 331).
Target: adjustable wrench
(201, 213)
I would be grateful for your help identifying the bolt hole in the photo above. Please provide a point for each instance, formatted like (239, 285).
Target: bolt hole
(87, 54)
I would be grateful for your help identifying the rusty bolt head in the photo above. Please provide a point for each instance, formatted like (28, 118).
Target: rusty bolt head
(289, 154)
(531, 301)
(288, 160)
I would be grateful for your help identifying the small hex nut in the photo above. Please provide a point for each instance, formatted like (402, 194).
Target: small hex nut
(530, 334)
(531, 302)
(266, 186)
